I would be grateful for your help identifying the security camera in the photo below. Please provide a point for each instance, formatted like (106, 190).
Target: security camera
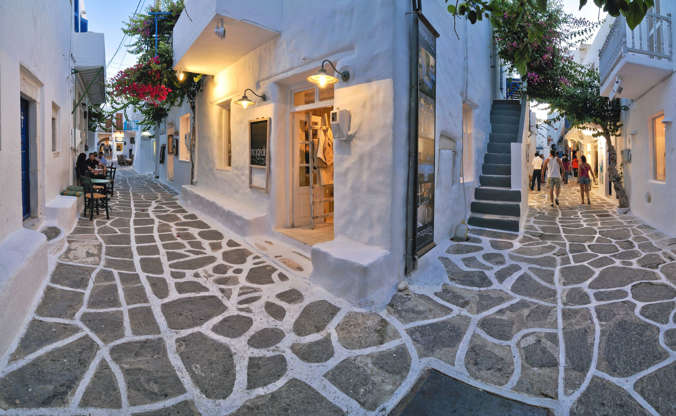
(617, 88)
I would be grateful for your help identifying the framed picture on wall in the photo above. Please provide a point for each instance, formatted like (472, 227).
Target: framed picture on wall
(162, 149)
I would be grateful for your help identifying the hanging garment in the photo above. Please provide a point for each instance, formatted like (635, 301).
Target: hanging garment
(321, 144)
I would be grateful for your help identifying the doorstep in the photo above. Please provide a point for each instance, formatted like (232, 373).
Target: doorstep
(63, 211)
(359, 273)
(244, 219)
(23, 270)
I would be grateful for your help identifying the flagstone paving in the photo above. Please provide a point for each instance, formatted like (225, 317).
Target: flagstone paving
(156, 312)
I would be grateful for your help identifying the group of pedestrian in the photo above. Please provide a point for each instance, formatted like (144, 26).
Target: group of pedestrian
(556, 169)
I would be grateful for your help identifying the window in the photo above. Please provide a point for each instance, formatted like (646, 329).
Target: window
(467, 143)
(223, 154)
(659, 149)
(184, 138)
(55, 128)
(312, 95)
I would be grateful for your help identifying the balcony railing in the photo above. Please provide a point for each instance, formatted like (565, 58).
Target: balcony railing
(651, 38)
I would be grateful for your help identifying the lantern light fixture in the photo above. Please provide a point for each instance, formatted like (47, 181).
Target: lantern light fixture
(323, 78)
(246, 102)
(180, 75)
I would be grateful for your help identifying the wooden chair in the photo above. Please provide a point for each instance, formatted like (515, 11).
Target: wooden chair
(110, 174)
(93, 199)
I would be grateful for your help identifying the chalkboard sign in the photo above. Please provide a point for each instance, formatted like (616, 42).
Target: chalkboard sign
(259, 142)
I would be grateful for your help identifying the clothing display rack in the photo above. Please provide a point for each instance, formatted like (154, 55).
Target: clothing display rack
(321, 142)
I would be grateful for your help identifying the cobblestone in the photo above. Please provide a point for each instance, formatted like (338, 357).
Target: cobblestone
(156, 312)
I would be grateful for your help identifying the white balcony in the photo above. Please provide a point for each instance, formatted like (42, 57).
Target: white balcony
(89, 52)
(248, 24)
(636, 59)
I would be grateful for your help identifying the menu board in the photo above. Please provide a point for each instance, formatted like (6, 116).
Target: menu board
(259, 142)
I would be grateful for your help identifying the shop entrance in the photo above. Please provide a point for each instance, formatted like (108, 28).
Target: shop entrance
(312, 170)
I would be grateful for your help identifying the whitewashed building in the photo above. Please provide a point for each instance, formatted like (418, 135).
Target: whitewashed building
(327, 168)
(638, 66)
(47, 62)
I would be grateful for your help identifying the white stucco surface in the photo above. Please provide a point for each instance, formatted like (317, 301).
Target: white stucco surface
(370, 39)
(23, 270)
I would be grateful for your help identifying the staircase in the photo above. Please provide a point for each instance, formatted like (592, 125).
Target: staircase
(495, 204)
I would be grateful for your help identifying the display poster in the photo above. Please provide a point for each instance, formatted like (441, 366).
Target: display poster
(424, 235)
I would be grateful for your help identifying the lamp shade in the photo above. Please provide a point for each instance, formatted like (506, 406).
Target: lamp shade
(244, 101)
(322, 78)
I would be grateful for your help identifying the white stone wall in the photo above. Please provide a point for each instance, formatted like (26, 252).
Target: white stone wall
(35, 35)
(639, 172)
(455, 87)
(371, 40)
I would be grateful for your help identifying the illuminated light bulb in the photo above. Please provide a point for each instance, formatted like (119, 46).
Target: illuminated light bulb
(244, 101)
(322, 79)
(180, 75)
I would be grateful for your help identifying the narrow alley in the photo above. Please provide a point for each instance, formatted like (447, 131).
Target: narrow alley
(156, 312)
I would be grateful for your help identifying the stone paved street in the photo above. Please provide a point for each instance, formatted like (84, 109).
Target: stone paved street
(156, 312)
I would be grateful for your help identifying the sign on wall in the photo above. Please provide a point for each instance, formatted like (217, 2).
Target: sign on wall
(259, 158)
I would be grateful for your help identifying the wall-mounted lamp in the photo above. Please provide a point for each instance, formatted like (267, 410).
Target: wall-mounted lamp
(180, 75)
(245, 101)
(322, 78)
(146, 134)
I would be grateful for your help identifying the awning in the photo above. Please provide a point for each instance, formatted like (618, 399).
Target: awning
(201, 46)
(89, 51)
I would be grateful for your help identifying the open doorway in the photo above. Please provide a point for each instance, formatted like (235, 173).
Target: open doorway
(312, 168)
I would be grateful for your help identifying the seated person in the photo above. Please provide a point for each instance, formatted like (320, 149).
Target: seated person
(103, 159)
(93, 164)
(81, 166)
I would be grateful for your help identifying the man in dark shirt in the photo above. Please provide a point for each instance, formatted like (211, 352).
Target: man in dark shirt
(92, 162)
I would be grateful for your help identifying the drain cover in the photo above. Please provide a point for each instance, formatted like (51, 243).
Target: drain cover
(436, 394)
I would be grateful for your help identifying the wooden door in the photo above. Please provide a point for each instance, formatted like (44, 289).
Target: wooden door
(302, 149)
(25, 161)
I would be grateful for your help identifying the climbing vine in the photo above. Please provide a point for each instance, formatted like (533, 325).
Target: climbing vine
(152, 87)
(536, 38)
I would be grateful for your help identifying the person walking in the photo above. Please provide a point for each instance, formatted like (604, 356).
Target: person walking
(536, 164)
(566, 168)
(586, 173)
(575, 164)
(554, 170)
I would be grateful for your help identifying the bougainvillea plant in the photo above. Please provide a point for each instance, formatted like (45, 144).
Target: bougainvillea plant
(152, 86)
(536, 39)
(633, 10)
(142, 82)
